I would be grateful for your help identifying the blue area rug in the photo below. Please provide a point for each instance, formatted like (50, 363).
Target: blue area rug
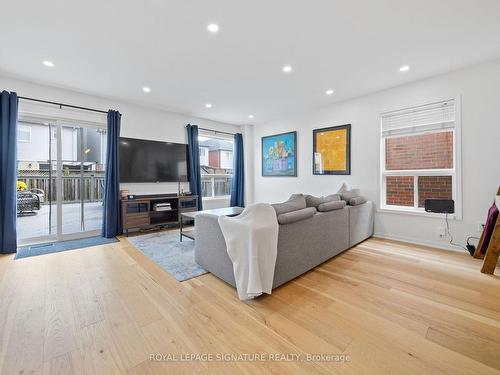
(164, 248)
(57, 247)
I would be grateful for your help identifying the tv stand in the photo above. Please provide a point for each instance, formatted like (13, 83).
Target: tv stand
(140, 213)
(148, 196)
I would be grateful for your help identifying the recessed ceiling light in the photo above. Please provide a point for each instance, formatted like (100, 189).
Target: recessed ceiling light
(146, 89)
(208, 105)
(48, 63)
(251, 116)
(287, 69)
(213, 27)
(329, 92)
(404, 68)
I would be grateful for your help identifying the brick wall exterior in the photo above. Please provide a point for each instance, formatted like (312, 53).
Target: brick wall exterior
(439, 187)
(399, 190)
(425, 151)
(214, 158)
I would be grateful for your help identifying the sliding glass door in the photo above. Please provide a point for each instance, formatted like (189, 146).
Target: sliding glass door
(82, 165)
(36, 180)
(60, 180)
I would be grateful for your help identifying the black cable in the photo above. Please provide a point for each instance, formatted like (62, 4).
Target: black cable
(451, 236)
(471, 248)
(470, 237)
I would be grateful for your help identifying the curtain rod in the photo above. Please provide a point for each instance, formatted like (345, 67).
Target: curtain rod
(215, 131)
(62, 104)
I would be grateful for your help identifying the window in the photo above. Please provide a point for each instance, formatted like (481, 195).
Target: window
(203, 155)
(419, 156)
(216, 163)
(24, 133)
(226, 159)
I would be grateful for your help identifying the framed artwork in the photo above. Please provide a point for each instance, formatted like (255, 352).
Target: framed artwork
(332, 150)
(279, 155)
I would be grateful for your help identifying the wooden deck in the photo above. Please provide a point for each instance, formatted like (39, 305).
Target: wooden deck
(391, 307)
(38, 225)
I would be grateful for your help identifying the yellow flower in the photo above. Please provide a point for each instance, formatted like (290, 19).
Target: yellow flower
(21, 185)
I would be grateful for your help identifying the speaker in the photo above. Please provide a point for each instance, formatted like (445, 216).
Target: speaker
(440, 206)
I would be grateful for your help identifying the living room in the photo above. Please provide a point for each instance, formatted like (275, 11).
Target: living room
(250, 188)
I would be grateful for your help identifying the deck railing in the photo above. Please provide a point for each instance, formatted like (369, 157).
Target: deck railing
(91, 185)
(216, 185)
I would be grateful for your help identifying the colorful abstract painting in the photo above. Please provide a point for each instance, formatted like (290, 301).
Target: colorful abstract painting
(332, 150)
(279, 155)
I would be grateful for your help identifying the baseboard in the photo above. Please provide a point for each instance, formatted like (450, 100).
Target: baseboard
(417, 241)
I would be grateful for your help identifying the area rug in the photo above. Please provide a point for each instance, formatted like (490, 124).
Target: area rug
(57, 247)
(165, 249)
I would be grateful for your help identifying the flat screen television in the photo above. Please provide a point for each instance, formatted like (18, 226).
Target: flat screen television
(152, 161)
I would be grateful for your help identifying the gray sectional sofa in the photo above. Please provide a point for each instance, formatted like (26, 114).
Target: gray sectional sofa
(311, 231)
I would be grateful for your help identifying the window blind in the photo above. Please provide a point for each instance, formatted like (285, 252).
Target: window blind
(429, 117)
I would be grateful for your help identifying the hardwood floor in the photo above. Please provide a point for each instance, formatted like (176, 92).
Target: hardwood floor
(391, 307)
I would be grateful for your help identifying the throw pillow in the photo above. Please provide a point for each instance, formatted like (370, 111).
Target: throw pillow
(294, 203)
(347, 194)
(312, 201)
(292, 217)
(330, 206)
(357, 200)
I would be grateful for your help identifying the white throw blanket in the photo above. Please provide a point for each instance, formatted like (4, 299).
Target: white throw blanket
(252, 245)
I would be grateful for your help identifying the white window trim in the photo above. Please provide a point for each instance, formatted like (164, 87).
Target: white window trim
(25, 128)
(456, 173)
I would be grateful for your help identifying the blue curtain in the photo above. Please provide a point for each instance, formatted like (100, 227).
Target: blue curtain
(8, 195)
(194, 163)
(111, 223)
(238, 183)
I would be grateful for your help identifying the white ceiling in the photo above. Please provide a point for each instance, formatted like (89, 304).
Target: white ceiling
(115, 47)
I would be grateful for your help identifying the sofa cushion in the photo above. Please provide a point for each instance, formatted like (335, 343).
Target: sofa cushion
(294, 203)
(292, 217)
(346, 194)
(357, 200)
(312, 201)
(330, 206)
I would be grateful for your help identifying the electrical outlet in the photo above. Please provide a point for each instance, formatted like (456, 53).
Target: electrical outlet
(441, 231)
(480, 226)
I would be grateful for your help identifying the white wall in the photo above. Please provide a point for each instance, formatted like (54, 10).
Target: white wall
(137, 122)
(479, 88)
(250, 154)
